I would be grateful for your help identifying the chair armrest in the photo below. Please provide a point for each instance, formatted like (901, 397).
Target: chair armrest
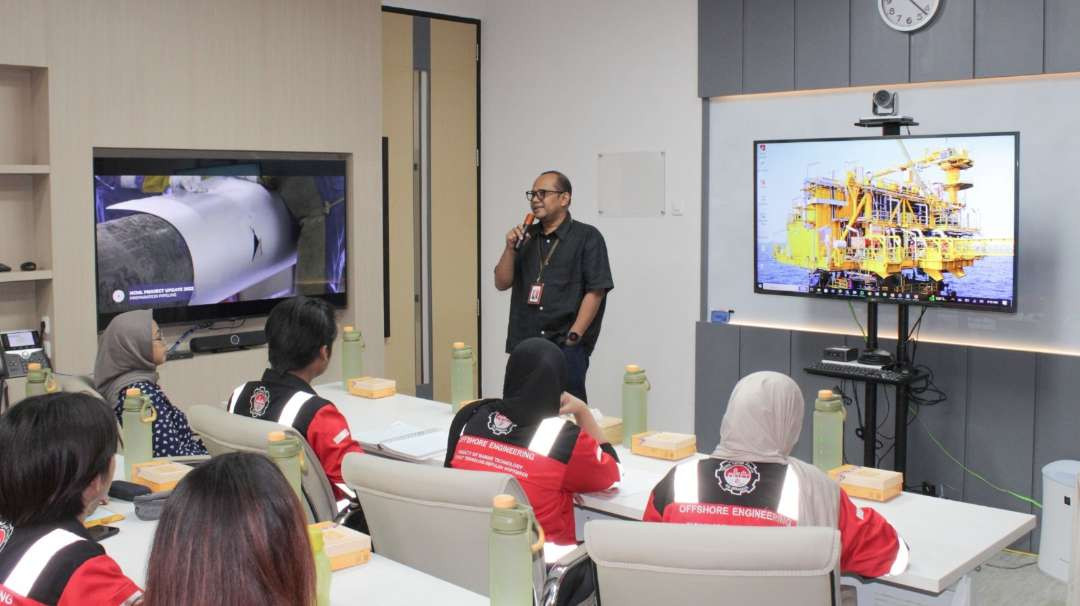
(558, 571)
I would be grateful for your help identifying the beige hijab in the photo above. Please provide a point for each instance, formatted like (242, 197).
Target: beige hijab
(762, 424)
(125, 354)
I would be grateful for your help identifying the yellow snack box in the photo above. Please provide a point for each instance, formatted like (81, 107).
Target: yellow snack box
(868, 483)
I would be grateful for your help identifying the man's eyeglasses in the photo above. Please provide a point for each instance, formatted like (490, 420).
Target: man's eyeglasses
(532, 195)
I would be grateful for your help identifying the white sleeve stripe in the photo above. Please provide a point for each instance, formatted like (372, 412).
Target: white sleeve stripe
(686, 488)
(789, 495)
(545, 435)
(903, 556)
(133, 599)
(345, 489)
(292, 408)
(234, 398)
(33, 563)
(344, 433)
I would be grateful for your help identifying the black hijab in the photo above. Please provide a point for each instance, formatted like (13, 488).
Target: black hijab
(532, 389)
(535, 380)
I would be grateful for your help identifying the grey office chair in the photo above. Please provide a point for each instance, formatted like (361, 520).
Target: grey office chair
(223, 432)
(648, 563)
(436, 519)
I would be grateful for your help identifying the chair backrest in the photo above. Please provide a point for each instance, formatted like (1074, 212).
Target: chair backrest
(434, 519)
(223, 432)
(651, 563)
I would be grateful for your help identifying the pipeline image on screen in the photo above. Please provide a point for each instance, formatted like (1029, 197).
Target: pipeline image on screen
(217, 237)
(929, 220)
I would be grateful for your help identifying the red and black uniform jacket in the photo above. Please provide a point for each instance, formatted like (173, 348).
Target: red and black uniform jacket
(59, 564)
(717, 491)
(551, 460)
(286, 399)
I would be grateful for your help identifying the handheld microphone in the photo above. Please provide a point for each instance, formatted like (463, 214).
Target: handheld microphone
(529, 218)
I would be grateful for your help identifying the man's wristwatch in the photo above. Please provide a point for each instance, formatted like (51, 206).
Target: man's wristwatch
(572, 338)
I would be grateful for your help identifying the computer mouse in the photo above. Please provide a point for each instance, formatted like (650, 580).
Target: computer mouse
(28, 266)
(4, 268)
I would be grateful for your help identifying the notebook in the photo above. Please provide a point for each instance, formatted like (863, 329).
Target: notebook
(403, 441)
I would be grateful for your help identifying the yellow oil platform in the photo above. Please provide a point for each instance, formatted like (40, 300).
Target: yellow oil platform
(902, 236)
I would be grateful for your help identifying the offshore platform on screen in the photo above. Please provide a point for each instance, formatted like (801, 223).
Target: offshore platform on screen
(870, 232)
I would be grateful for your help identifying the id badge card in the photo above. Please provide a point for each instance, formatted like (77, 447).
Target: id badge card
(536, 291)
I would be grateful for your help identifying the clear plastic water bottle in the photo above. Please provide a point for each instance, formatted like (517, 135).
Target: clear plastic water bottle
(138, 421)
(461, 376)
(352, 355)
(511, 549)
(635, 402)
(35, 380)
(828, 430)
(322, 567)
(285, 451)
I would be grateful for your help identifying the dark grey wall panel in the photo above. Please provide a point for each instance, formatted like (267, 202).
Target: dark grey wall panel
(806, 347)
(879, 54)
(422, 43)
(768, 46)
(720, 44)
(944, 50)
(1057, 425)
(1062, 25)
(1000, 427)
(1008, 38)
(926, 461)
(822, 44)
(764, 349)
(716, 362)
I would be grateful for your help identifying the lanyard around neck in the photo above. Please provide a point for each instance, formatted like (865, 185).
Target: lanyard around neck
(544, 261)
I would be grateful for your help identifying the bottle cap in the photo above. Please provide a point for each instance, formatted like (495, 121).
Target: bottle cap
(275, 436)
(459, 345)
(504, 501)
(633, 368)
(349, 328)
(33, 366)
(825, 394)
(132, 392)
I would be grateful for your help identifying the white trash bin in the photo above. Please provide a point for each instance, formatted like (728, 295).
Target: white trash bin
(1056, 534)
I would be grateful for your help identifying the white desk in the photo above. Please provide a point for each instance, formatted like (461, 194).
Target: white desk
(380, 581)
(948, 539)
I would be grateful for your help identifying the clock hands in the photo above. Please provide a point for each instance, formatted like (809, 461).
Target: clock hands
(918, 7)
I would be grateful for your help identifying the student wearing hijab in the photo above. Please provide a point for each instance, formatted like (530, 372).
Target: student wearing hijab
(130, 352)
(522, 435)
(751, 480)
(56, 465)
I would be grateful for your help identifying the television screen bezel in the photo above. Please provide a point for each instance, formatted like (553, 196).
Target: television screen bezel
(1011, 309)
(216, 311)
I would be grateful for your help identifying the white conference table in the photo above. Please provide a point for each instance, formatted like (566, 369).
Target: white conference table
(380, 581)
(948, 539)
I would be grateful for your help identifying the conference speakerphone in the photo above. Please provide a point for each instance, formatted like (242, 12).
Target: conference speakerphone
(226, 342)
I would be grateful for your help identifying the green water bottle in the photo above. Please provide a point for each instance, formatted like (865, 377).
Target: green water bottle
(461, 376)
(511, 550)
(828, 430)
(285, 451)
(352, 355)
(138, 421)
(35, 380)
(322, 567)
(635, 402)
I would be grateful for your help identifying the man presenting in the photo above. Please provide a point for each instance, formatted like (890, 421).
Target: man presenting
(560, 275)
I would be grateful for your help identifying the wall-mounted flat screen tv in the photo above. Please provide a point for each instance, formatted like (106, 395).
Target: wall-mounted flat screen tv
(200, 236)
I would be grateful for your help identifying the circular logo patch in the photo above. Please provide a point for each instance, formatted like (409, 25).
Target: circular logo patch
(500, 424)
(737, 478)
(259, 401)
(5, 533)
